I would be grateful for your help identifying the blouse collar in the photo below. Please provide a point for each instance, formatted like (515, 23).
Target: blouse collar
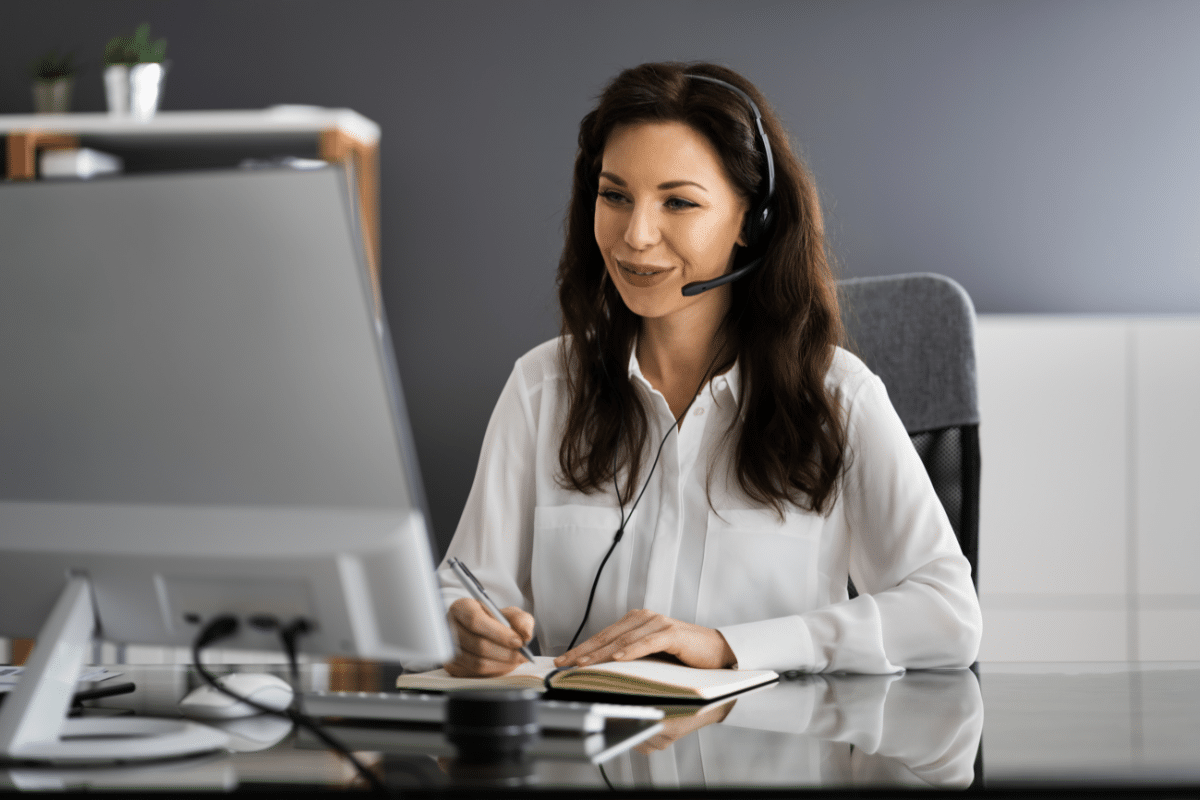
(728, 381)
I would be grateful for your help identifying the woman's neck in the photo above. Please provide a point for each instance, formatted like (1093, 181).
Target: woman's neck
(676, 354)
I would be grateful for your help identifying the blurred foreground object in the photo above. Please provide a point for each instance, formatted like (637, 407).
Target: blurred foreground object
(81, 162)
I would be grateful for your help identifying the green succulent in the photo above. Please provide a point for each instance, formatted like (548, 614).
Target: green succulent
(136, 49)
(53, 65)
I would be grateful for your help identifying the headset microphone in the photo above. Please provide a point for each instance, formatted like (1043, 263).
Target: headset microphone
(693, 289)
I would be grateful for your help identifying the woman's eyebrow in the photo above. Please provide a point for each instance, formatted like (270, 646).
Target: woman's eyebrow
(677, 184)
(667, 185)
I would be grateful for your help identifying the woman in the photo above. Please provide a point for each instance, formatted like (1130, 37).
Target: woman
(698, 474)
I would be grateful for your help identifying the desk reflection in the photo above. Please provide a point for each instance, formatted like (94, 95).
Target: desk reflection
(920, 729)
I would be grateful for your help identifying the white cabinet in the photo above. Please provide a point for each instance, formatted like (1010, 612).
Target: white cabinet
(1089, 523)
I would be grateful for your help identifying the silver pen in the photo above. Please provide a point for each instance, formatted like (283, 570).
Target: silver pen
(476, 589)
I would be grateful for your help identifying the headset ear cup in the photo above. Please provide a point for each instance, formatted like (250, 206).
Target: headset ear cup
(757, 224)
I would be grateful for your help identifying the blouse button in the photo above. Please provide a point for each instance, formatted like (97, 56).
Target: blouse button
(721, 384)
(699, 412)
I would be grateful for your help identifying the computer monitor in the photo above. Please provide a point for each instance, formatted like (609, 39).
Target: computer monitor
(199, 415)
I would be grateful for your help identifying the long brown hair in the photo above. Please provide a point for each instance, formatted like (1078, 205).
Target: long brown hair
(783, 318)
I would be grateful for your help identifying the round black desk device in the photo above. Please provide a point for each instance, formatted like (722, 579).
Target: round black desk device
(492, 725)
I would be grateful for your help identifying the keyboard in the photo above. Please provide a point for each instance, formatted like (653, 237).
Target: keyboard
(555, 715)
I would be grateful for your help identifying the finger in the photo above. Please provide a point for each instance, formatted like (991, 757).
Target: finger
(600, 646)
(652, 637)
(520, 620)
(468, 665)
(466, 662)
(488, 650)
(585, 651)
(470, 615)
(479, 658)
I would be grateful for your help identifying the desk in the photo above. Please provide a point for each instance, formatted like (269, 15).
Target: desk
(1041, 726)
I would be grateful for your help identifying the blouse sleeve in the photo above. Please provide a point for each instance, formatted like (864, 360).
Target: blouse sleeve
(917, 606)
(494, 534)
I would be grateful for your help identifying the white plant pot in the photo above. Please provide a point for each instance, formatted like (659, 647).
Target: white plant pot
(116, 89)
(134, 89)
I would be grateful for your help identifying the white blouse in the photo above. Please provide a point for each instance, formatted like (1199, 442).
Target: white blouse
(775, 588)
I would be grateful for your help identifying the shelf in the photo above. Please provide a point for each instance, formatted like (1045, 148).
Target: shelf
(173, 140)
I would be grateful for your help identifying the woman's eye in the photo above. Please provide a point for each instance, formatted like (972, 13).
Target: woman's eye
(612, 196)
(679, 204)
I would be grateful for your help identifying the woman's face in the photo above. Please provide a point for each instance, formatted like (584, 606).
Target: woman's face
(666, 216)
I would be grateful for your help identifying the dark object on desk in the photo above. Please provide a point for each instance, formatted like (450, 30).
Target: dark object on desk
(95, 694)
(491, 732)
(917, 333)
(487, 725)
(103, 691)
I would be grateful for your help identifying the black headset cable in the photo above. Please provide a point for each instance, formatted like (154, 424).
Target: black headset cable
(226, 625)
(616, 485)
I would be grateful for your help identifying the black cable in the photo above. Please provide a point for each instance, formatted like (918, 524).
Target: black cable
(604, 775)
(226, 625)
(616, 485)
(288, 635)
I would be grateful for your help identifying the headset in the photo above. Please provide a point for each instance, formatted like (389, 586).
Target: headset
(759, 219)
(755, 230)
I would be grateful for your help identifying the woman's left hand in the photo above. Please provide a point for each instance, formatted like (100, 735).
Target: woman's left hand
(642, 633)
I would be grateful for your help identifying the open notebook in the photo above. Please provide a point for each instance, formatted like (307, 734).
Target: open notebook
(646, 677)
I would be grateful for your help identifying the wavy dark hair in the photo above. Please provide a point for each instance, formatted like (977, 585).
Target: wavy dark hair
(783, 320)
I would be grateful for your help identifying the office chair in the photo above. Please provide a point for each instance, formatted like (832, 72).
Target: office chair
(917, 333)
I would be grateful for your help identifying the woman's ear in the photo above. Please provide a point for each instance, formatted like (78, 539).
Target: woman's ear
(741, 237)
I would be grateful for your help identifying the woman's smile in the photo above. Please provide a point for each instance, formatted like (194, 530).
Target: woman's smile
(643, 276)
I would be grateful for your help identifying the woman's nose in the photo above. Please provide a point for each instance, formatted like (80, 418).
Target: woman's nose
(642, 230)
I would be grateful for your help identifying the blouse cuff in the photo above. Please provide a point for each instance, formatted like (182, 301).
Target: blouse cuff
(780, 644)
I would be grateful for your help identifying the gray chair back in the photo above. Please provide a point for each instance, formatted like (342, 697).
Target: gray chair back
(917, 333)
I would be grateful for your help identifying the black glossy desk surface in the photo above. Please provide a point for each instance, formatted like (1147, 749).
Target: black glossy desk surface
(1010, 727)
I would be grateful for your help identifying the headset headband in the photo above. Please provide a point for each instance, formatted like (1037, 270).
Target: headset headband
(762, 135)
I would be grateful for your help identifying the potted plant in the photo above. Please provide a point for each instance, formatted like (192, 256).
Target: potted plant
(133, 73)
(53, 81)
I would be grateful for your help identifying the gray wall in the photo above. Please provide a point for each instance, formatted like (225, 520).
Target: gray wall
(1044, 154)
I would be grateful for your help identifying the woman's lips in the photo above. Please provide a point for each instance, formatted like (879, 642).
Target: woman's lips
(641, 275)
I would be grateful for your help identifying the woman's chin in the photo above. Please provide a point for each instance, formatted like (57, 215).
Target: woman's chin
(649, 304)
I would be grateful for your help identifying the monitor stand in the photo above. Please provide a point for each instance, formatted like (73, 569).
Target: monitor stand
(33, 720)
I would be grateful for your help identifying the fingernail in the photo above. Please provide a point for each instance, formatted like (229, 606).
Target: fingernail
(584, 660)
(514, 642)
(619, 654)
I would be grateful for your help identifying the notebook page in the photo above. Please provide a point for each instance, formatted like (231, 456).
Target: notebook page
(655, 677)
(526, 676)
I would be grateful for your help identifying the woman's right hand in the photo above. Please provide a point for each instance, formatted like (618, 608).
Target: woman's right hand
(486, 647)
